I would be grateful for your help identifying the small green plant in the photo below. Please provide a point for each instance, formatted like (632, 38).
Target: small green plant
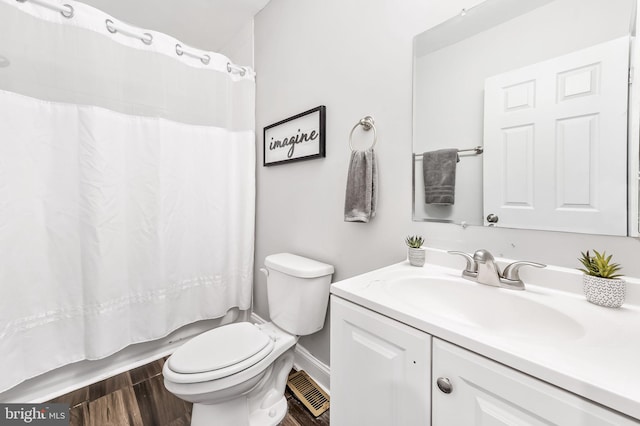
(599, 265)
(414, 241)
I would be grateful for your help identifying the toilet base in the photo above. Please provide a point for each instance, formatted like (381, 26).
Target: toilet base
(264, 405)
(227, 413)
(269, 416)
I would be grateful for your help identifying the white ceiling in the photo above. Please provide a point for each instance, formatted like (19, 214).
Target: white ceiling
(205, 24)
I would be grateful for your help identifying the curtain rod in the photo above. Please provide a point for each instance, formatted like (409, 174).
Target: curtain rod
(180, 50)
(65, 10)
(146, 38)
(68, 12)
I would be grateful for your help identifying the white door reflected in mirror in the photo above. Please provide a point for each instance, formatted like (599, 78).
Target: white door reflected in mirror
(556, 142)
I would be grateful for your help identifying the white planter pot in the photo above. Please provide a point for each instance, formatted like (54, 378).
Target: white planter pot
(416, 256)
(604, 291)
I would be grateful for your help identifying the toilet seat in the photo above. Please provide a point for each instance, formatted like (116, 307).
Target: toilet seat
(221, 352)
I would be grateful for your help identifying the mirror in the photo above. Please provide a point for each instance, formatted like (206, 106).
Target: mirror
(534, 96)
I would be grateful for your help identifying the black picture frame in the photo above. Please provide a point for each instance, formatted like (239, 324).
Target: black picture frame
(297, 138)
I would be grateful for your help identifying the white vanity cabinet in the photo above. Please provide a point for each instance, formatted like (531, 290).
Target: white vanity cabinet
(484, 392)
(384, 372)
(380, 369)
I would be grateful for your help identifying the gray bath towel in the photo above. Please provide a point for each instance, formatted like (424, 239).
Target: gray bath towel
(439, 169)
(362, 187)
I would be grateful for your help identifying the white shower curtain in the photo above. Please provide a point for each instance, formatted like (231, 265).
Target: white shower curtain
(126, 187)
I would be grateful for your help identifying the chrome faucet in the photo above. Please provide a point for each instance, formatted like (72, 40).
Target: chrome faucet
(482, 268)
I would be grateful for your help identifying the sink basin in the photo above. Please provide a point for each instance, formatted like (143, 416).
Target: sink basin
(503, 311)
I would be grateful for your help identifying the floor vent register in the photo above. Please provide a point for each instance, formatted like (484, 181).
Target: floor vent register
(308, 392)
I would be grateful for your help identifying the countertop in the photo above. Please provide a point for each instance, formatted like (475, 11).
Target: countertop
(599, 360)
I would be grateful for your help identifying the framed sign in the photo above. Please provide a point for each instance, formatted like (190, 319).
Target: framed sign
(301, 137)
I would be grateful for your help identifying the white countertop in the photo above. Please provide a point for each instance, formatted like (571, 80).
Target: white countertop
(598, 359)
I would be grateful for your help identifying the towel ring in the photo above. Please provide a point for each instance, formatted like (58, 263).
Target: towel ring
(367, 124)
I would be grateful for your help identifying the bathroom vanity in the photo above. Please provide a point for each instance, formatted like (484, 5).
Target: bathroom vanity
(417, 346)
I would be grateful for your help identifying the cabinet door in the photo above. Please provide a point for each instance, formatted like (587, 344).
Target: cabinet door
(484, 392)
(379, 369)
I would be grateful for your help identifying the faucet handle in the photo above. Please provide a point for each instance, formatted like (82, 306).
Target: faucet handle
(483, 256)
(512, 271)
(472, 266)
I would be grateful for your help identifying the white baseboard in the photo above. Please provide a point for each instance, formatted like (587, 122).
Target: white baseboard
(256, 319)
(318, 370)
(304, 360)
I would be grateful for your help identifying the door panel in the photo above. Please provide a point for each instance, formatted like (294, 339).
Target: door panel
(555, 138)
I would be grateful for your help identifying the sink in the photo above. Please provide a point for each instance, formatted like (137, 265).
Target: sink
(548, 331)
(509, 313)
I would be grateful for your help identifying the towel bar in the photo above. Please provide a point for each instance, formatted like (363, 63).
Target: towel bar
(477, 151)
(367, 123)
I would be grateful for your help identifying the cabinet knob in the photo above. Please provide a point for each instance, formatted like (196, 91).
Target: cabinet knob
(444, 384)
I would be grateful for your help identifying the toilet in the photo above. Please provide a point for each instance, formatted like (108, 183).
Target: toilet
(236, 374)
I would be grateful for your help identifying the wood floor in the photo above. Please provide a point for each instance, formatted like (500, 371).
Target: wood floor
(138, 398)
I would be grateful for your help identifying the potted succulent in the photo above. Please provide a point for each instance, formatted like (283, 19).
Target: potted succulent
(601, 283)
(416, 251)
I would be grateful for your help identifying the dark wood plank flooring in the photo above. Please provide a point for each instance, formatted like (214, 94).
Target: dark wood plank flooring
(138, 398)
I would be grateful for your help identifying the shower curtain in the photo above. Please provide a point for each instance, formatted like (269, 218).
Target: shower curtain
(126, 185)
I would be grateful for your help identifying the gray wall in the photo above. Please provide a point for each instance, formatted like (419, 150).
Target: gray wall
(239, 49)
(355, 57)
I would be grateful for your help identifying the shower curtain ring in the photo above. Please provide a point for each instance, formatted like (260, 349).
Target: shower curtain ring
(147, 39)
(69, 12)
(242, 70)
(110, 27)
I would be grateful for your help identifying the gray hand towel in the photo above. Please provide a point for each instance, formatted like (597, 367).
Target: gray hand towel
(362, 186)
(439, 170)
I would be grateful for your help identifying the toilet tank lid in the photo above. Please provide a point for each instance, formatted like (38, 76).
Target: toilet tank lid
(297, 266)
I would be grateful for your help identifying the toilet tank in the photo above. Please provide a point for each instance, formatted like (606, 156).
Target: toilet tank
(297, 292)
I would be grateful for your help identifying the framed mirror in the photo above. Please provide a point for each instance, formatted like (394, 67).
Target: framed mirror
(525, 116)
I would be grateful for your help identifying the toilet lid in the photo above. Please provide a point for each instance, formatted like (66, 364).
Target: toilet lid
(222, 347)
